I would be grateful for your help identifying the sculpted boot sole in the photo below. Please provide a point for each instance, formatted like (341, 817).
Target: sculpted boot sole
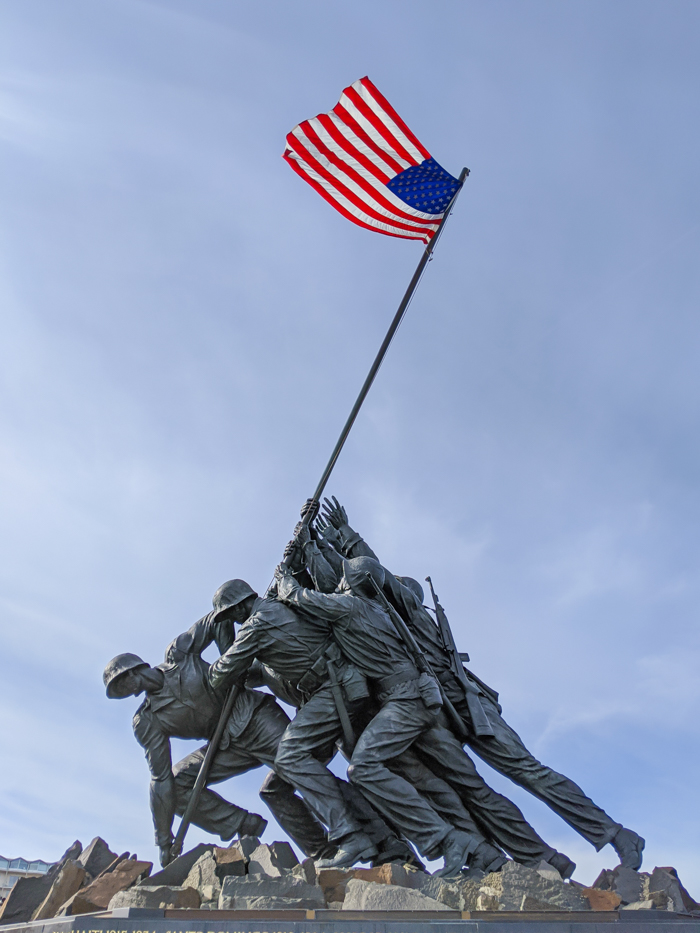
(486, 858)
(355, 848)
(456, 849)
(563, 864)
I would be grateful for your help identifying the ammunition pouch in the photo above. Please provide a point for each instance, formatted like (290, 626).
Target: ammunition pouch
(430, 691)
(315, 677)
(317, 674)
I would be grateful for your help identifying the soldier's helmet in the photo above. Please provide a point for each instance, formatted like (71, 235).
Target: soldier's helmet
(231, 594)
(414, 586)
(356, 571)
(118, 666)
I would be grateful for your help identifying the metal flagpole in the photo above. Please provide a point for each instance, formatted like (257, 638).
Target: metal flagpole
(393, 327)
(374, 369)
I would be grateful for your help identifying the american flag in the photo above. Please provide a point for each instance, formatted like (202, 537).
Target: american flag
(363, 159)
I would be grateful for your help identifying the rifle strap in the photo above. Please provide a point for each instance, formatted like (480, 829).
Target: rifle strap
(337, 691)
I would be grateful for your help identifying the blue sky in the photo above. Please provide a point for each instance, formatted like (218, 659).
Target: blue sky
(185, 325)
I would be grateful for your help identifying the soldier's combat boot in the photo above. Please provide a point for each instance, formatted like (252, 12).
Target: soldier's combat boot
(486, 858)
(394, 849)
(456, 848)
(629, 846)
(357, 847)
(563, 864)
(253, 825)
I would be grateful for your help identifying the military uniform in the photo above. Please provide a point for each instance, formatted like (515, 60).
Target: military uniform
(367, 638)
(295, 650)
(188, 707)
(503, 750)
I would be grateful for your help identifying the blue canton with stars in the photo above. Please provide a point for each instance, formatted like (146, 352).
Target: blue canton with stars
(426, 187)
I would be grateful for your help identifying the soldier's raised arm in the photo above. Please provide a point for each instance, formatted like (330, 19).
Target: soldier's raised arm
(199, 636)
(233, 666)
(351, 543)
(324, 576)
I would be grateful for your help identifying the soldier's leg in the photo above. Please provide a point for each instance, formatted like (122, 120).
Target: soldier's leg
(446, 802)
(391, 732)
(387, 838)
(506, 752)
(294, 816)
(261, 739)
(213, 813)
(437, 792)
(498, 817)
(307, 743)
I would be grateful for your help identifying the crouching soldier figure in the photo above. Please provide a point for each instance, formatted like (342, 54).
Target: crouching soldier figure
(181, 703)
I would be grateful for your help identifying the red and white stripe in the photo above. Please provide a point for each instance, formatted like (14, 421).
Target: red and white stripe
(349, 154)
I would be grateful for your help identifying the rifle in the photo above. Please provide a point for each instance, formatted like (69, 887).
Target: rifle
(419, 658)
(480, 721)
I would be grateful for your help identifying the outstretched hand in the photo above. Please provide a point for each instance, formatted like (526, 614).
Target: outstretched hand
(334, 512)
(328, 532)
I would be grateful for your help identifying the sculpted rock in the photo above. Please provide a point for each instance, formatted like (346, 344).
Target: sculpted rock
(272, 860)
(689, 903)
(156, 897)
(531, 903)
(453, 894)
(68, 881)
(333, 882)
(545, 870)
(448, 892)
(368, 895)
(97, 857)
(640, 905)
(391, 873)
(175, 873)
(663, 882)
(78, 904)
(101, 891)
(274, 903)
(625, 882)
(601, 900)
(510, 887)
(229, 861)
(243, 893)
(203, 878)
(28, 893)
(247, 845)
(660, 890)
(306, 870)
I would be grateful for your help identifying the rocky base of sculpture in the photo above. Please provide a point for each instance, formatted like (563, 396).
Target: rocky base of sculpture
(250, 876)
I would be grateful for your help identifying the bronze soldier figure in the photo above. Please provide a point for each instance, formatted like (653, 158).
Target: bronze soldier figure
(180, 702)
(497, 818)
(497, 744)
(409, 706)
(297, 652)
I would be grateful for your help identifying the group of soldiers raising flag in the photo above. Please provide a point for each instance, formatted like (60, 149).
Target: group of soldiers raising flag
(372, 675)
